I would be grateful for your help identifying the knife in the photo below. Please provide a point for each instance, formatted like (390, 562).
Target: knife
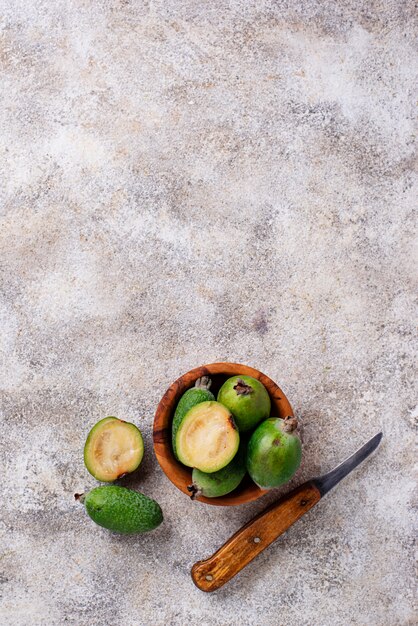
(263, 529)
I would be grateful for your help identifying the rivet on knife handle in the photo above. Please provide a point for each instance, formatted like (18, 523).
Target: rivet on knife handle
(261, 531)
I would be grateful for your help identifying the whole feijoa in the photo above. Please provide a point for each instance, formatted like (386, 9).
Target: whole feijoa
(121, 510)
(274, 452)
(247, 399)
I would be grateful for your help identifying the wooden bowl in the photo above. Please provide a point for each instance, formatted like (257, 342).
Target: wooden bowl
(180, 475)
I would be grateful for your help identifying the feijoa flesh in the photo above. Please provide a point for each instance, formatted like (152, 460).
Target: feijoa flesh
(247, 399)
(121, 510)
(207, 437)
(113, 448)
(199, 393)
(221, 482)
(274, 452)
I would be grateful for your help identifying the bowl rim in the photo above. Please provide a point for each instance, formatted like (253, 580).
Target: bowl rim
(175, 471)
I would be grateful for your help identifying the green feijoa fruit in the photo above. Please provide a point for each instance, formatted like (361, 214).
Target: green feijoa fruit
(207, 437)
(221, 482)
(247, 399)
(113, 448)
(199, 393)
(274, 452)
(121, 510)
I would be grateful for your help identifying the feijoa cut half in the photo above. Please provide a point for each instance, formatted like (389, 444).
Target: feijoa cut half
(207, 438)
(197, 394)
(113, 448)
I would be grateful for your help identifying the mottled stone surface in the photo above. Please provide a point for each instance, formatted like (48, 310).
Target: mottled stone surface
(186, 182)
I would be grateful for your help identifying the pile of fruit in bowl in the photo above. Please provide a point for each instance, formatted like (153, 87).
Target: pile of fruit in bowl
(222, 438)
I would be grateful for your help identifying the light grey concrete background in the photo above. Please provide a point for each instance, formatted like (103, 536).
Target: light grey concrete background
(186, 182)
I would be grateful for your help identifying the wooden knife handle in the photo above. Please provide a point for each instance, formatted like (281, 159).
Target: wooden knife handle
(254, 537)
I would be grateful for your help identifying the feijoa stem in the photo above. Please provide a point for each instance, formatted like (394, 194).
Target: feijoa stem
(290, 423)
(242, 388)
(203, 383)
(194, 491)
(80, 497)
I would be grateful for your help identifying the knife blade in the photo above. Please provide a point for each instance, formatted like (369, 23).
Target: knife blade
(255, 536)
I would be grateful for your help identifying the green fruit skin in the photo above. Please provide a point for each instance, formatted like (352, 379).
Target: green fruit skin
(248, 410)
(224, 480)
(273, 455)
(187, 401)
(89, 463)
(122, 510)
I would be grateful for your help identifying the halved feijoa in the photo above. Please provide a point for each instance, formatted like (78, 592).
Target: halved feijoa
(113, 448)
(207, 437)
(197, 394)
